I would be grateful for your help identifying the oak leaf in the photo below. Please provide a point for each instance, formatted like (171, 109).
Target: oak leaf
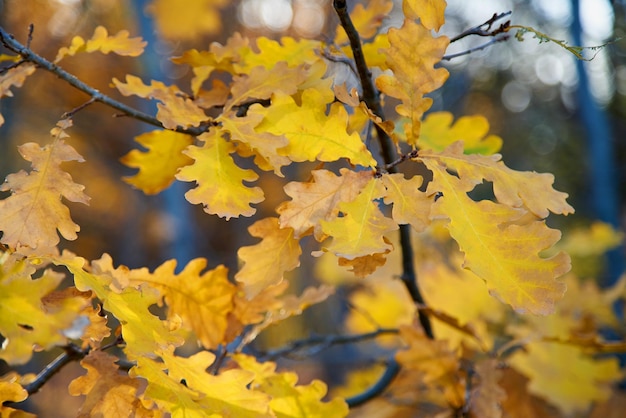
(15, 77)
(312, 134)
(571, 388)
(410, 205)
(219, 180)
(109, 393)
(294, 52)
(519, 403)
(159, 164)
(361, 230)
(288, 399)
(429, 12)
(34, 211)
(438, 132)
(266, 263)
(487, 396)
(177, 22)
(119, 43)
(412, 56)
(11, 390)
(202, 300)
(319, 199)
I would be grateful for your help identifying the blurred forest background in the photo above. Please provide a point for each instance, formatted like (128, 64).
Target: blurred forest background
(555, 114)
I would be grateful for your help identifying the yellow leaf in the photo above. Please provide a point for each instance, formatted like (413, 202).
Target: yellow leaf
(11, 390)
(179, 20)
(486, 397)
(160, 163)
(173, 111)
(504, 254)
(109, 393)
(219, 180)
(438, 133)
(361, 230)
(412, 56)
(261, 270)
(15, 77)
(32, 214)
(290, 400)
(312, 134)
(263, 145)
(293, 52)
(410, 205)
(513, 188)
(564, 376)
(429, 12)
(120, 44)
(202, 300)
(27, 320)
(317, 200)
(438, 365)
(594, 240)
(186, 389)
(366, 20)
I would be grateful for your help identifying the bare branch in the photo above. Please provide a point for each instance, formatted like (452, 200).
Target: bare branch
(72, 353)
(484, 29)
(495, 40)
(392, 370)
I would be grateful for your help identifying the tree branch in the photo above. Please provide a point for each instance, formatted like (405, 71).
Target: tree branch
(495, 40)
(29, 56)
(72, 353)
(484, 29)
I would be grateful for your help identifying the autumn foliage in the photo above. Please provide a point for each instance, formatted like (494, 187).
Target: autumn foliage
(471, 298)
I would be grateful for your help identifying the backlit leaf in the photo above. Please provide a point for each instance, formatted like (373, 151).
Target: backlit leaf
(261, 270)
(15, 77)
(119, 43)
(34, 211)
(410, 205)
(179, 20)
(158, 165)
(429, 12)
(219, 180)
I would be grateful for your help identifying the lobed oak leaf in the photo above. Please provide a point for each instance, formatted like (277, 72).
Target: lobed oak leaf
(259, 269)
(412, 55)
(361, 230)
(506, 255)
(34, 212)
(312, 134)
(410, 205)
(202, 393)
(159, 164)
(288, 399)
(263, 145)
(438, 133)
(11, 390)
(119, 43)
(573, 381)
(364, 266)
(438, 365)
(27, 321)
(202, 300)
(196, 18)
(366, 20)
(293, 52)
(513, 188)
(429, 12)
(97, 329)
(519, 403)
(109, 393)
(313, 201)
(15, 77)
(219, 180)
(487, 396)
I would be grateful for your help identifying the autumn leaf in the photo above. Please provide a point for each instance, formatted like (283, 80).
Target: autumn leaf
(438, 132)
(288, 399)
(219, 180)
(549, 366)
(120, 44)
(319, 199)
(487, 396)
(410, 205)
(294, 52)
(429, 12)
(312, 134)
(361, 230)
(412, 56)
(202, 300)
(159, 164)
(259, 270)
(519, 403)
(178, 22)
(109, 393)
(33, 213)
(11, 390)
(15, 77)
(366, 20)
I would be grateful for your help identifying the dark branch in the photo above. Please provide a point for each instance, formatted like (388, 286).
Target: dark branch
(392, 370)
(72, 353)
(477, 48)
(29, 56)
(484, 29)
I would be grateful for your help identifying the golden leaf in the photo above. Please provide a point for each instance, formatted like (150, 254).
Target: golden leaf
(429, 12)
(178, 20)
(410, 205)
(119, 43)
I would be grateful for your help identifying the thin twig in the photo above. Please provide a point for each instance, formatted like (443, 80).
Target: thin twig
(484, 29)
(475, 49)
(72, 112)
(27, 55)
(392, 370)
(72, 353)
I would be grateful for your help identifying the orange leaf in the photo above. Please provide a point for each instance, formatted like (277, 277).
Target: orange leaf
(412, 56)
(32, 214)
(261, 270)
(429, 12)
(15, 77)
(160, 163)
(120, 44)
(486, 397)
